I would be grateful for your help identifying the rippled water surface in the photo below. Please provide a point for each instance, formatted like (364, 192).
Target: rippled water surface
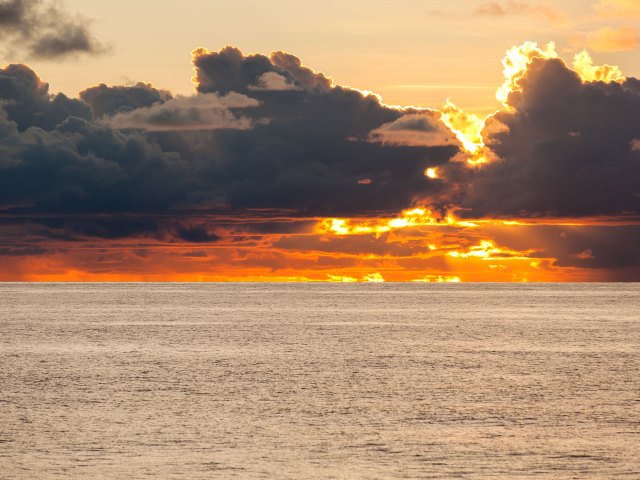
(301, 381)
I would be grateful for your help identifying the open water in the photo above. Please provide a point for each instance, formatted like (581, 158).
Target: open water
(306, 381)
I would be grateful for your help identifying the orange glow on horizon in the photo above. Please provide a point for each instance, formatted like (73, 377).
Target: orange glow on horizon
(415, 217)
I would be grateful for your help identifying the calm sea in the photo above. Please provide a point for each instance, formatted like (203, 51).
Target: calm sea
(304, 381)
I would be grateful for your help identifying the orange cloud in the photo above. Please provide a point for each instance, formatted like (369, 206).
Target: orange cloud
(500, 9)
(489, 251)
(608, 39)
(618, 8)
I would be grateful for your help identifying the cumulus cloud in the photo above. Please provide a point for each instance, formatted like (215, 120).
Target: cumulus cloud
(106, 100)
(56, 159)
(229, 70)
(267, 134)
(138, 151)
(314, 145)
(45, 30)
(27, 102)
(564, 148)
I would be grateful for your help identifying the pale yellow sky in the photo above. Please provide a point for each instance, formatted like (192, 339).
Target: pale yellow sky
(411, 52)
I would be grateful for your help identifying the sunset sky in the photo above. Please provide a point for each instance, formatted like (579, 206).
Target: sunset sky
(340, 141)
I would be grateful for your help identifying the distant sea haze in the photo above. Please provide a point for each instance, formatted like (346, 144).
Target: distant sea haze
(320, 381)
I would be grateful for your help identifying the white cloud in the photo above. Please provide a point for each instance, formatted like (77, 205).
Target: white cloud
(272, 81)
(199, 112)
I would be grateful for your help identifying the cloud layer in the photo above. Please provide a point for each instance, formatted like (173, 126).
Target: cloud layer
(267, 147)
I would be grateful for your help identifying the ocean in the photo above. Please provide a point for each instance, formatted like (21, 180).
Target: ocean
(310, 381)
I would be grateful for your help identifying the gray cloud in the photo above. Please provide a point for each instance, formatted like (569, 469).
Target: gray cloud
(417, 129)
(267, 134)
(138, 153)
(45, 30)
(566, 148)
(106, 100)
(199, 112)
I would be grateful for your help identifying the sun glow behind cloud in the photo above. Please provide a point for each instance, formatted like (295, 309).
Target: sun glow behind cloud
(468, 127)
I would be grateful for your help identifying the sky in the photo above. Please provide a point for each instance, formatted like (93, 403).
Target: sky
(347, 141)
(412, 52)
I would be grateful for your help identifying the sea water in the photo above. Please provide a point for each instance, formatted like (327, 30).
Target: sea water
(304, 381)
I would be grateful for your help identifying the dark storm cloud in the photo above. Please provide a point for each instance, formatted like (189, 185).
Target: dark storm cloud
(196, 234)
(34, 229)
(566, 148)
(23, 251)
(310, 144)
(44, 30)
(105, 100)
(271, 141)
(55, 159)
(27, 102)
(83, 167)
(302, 146)
(228, 70)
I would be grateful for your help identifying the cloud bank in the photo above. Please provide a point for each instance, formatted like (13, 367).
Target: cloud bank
(268, 146)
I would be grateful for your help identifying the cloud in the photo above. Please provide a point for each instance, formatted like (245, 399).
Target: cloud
(45, 30)
(613, 39)
(229, 70)
(27, 102)
(597, 247)
(618, 9)
(273, 81)
(415, 129)
(267, 147)
(564, 148)
(200, 112)
(105, 100)
(56, 159)
(312, 147)
(196, 234)
(501, 9)
(138, 151)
